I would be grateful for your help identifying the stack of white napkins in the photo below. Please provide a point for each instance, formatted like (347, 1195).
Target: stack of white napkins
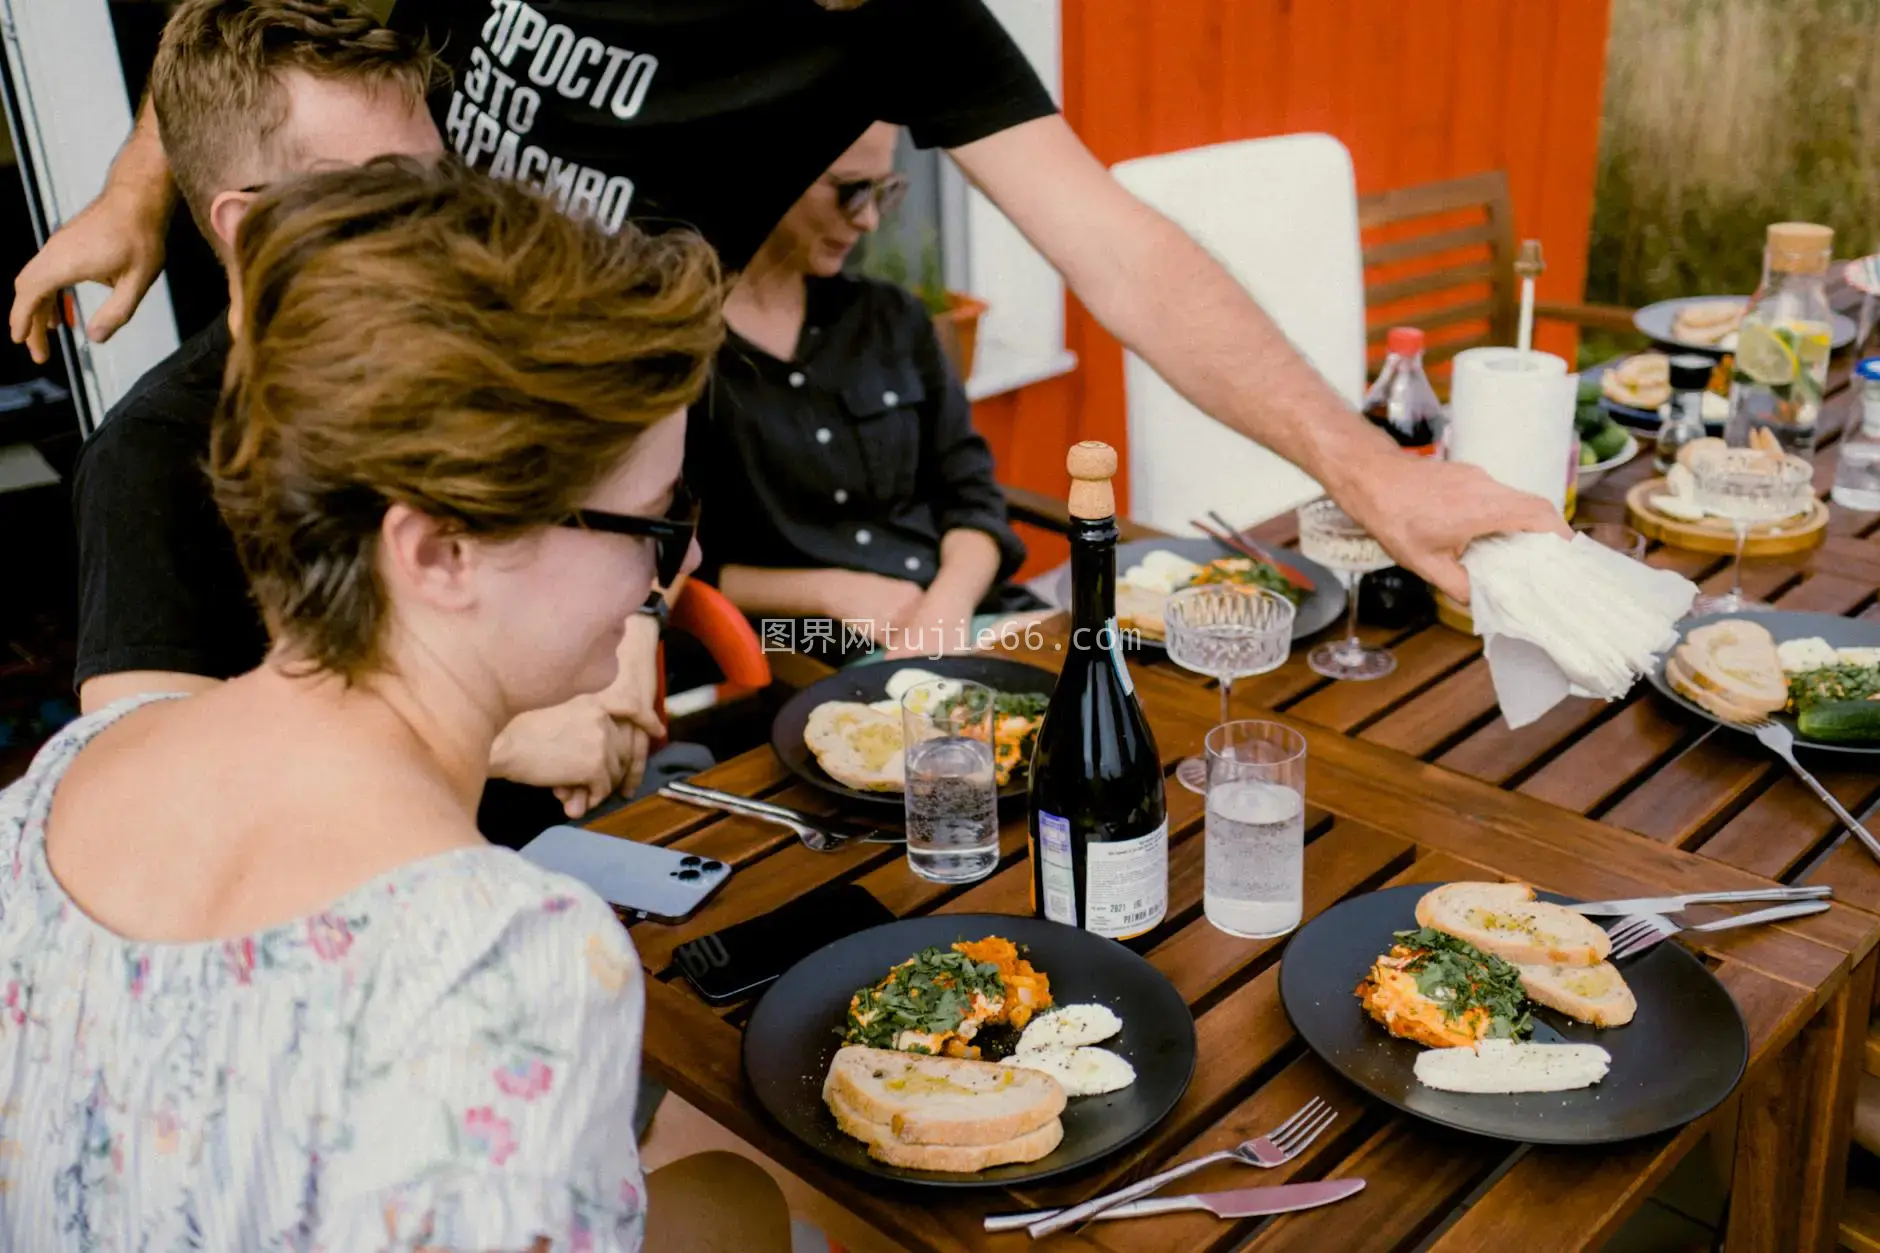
(1561, 618)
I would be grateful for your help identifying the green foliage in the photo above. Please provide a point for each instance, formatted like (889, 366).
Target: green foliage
(1722, 116)
(1461, 977)
(892, 257)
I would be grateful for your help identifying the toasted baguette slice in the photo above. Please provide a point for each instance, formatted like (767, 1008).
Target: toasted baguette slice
(857, 745)
(1590, 994)
(1506, 920)
(954, 1158)
(1738, 659)
(1139, 609)
(1687, 684)
(942, 1100)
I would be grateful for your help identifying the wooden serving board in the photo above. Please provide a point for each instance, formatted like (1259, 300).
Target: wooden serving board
(1714, 535)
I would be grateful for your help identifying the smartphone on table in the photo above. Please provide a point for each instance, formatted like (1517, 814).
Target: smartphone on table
(640, 880)
(741, 960)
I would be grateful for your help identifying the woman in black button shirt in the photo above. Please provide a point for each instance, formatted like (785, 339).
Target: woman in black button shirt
(841, 477)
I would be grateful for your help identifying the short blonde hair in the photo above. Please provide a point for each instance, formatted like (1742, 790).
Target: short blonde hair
(216, 84)
(445, 340)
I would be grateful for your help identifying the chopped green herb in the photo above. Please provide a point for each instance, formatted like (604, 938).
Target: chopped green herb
(1834, 683)
(1461, 977)
(931, 992)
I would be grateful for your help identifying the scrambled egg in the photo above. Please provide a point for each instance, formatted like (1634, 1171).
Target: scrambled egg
(1389, 994)
(937, 1000)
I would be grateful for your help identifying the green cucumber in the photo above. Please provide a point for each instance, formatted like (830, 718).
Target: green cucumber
(1841, 722)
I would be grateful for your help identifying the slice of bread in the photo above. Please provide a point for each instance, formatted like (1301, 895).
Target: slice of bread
(1139, 609)
(942, 1100)
(1738, 660)
(858, 745)
(962, 1159)
(1590, 994)
(1506, 920)
(1688, 684)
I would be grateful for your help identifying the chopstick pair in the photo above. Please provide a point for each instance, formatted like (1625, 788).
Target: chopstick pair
(1224, 534)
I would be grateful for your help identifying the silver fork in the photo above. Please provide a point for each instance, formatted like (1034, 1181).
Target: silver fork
(1275, 1148)
(1778, 739)
(819, 835)
(1634, 935)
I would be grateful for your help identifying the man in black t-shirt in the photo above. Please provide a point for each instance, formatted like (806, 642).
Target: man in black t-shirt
(719, 113)
(163, 601)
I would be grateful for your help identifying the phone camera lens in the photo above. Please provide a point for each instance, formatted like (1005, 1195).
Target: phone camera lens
(689, 860)
(687, 875)
(712, 867)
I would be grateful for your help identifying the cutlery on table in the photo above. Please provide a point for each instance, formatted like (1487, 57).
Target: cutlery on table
(819, 835)
(1778, 739)
(1672, 904)
(1640, 932)
(1275, 1148)
(1228, 537)
(1284, 1198)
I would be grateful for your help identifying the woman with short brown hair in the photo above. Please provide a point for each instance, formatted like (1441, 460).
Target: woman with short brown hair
(265, 986)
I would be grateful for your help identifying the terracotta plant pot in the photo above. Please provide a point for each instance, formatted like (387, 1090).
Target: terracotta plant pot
(958, 329)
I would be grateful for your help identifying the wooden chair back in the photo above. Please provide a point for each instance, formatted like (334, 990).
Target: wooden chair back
(1440, 256)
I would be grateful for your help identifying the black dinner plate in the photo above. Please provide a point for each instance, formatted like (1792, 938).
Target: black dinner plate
(870, 683)
(794, 1034)
(1318, 611)
(1838, 632)
(1678, 1059)
(1656, 320)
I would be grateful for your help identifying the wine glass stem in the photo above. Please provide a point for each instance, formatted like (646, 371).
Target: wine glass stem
(1736, 566)
(1227, 696)
(1352, 646)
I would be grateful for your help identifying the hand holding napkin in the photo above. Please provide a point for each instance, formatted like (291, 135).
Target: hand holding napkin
(1561, 618)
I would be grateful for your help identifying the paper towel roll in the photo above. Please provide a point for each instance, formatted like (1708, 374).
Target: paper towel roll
(1511, 413)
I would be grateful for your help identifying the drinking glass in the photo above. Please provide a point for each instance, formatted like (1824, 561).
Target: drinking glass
(1226, 631)
(1747, 487)
(1256, 829)
(952, 791)
(1616, 536)
(1329, 536)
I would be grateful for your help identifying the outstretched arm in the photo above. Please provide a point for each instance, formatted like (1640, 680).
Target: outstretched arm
(1158, 291)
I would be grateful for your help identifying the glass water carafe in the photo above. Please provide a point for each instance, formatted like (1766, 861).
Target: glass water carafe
(1781, 360)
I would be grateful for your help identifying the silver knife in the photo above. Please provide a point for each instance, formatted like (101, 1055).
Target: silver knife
(1240, 1203)
(1672, 904)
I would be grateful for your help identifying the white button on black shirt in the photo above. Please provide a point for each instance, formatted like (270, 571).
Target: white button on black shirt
(913, 563)
(842, 495)
(863, 537)
(890, 399)
(796, 378)
(823, 435)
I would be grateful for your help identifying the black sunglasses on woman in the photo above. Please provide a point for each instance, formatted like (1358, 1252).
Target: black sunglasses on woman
(671, 536)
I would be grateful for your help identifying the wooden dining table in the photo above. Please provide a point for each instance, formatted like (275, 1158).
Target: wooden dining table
(1411, 778)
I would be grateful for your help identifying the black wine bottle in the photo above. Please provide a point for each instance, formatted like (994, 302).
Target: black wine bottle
(1099, 820)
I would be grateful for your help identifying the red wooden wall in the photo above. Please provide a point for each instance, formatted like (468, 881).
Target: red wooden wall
(1418, 90)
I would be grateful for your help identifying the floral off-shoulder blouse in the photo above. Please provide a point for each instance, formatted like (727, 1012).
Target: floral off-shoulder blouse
(446, 1056)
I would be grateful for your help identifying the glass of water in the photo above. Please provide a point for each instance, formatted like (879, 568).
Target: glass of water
(1226, 631)
(1256, 829)
(952, 792)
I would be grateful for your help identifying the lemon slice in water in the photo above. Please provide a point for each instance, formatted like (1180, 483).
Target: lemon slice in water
(1763, 357)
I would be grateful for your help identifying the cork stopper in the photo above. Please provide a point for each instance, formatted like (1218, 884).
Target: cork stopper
(1800, 247)
(1529, 263)
(1092, 465)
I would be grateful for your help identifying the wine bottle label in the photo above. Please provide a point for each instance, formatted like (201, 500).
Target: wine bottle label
(1060, 875)
(1126, 892)
(1115, 636)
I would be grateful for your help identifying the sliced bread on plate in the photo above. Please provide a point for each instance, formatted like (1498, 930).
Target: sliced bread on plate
(929, 1100)
(1506, 920)
(857, 745)
(1597, 995)
(884, 1146)
(1735, 662)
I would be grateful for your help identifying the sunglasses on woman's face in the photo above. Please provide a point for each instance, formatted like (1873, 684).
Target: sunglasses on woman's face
(853, 194)
(671, 535)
